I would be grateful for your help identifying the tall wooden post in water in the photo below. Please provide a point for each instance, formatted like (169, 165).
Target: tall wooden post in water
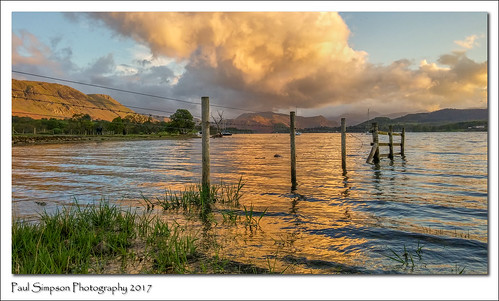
(205, 144)
(343, 144)
(390, 144)
(376, 142)
(293, 149)
(402, 143)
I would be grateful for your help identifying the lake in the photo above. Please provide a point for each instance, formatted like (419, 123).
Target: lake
(433, 204)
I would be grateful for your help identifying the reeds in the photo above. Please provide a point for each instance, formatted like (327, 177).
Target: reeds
(80, 240)
(96, 238)
(192, 197)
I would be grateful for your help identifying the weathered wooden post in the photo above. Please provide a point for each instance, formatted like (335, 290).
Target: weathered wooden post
(343, 144)
(293, 149)
(390, 144)
(402, 142)
(376, 142)
(205, 144)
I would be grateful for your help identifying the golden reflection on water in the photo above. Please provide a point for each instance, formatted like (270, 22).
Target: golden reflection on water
(334, 220)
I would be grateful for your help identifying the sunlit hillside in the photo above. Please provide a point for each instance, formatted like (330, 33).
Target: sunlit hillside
(48, 100)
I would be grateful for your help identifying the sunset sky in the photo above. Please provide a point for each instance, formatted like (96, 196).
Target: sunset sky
(326, 63)
(388, 57)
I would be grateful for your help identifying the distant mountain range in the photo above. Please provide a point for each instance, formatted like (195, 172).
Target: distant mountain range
(445, 115)
(48, 100)
(354, 118)
(267, 122)
(441, 120)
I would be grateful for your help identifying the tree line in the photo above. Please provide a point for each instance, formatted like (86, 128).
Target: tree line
(181, 122)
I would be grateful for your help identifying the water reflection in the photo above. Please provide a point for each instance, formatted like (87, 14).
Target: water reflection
(335, 219)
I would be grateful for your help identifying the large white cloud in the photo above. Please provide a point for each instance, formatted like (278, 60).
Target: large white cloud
(281, 60)
(262, 61)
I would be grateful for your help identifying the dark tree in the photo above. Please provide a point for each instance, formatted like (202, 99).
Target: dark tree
(182, 121)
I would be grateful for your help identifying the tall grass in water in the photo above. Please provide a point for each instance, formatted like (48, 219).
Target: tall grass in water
(92, 239)
(78, 240)
(193, 197)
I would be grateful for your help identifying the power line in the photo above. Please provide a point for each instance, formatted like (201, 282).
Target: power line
(87, 107)
(99, 108)
(115, 111)
(127, 91)
(104, 87)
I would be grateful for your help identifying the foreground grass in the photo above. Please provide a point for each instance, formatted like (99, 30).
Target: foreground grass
(80, 240)
(106, 239)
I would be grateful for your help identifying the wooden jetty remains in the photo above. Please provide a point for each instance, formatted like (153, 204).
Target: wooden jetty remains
(374, 155)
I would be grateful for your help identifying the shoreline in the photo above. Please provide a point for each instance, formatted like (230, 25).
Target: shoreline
(23, 140)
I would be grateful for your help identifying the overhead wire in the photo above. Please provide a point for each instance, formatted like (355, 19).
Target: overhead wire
(127, 91)
(114, 110)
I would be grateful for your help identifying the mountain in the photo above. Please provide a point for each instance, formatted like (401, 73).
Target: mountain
(48, 100)
(441, 120)
(445, 115)
(267, 122)
(356, 118)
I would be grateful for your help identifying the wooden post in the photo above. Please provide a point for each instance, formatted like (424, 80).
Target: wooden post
(293, 149)
(205, 144)
(343, 144)
(390, 144)
(376, 142)
(402, 142)
(34, 131)
(371, 154)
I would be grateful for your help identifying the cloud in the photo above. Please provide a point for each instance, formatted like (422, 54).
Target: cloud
(271, 55)
(469, 42)
(260, 62)
(28, 50)
(275, 61)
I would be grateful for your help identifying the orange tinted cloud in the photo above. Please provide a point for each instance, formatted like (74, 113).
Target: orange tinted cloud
(267, 54)
(273, 60)
(267, 61)
(27, 49)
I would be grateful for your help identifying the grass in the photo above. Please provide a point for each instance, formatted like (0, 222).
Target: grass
(65, 243)
(22, 139)
(106, 239)
(193, 197)
(251, 221)
(405, 258)
(81, 240)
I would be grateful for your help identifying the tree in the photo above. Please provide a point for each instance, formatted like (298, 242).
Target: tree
(218, 122)
(182, 121)
(82, 123)
(117, 125)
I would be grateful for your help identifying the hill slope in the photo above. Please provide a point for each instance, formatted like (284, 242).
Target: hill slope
(445, 115)
(266, 122)
(445, 119)
(48, 100)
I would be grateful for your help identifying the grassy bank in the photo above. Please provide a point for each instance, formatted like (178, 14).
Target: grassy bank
(107, 239)
(49, 139)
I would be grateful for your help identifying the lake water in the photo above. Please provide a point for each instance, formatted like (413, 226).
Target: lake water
(333, 222)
